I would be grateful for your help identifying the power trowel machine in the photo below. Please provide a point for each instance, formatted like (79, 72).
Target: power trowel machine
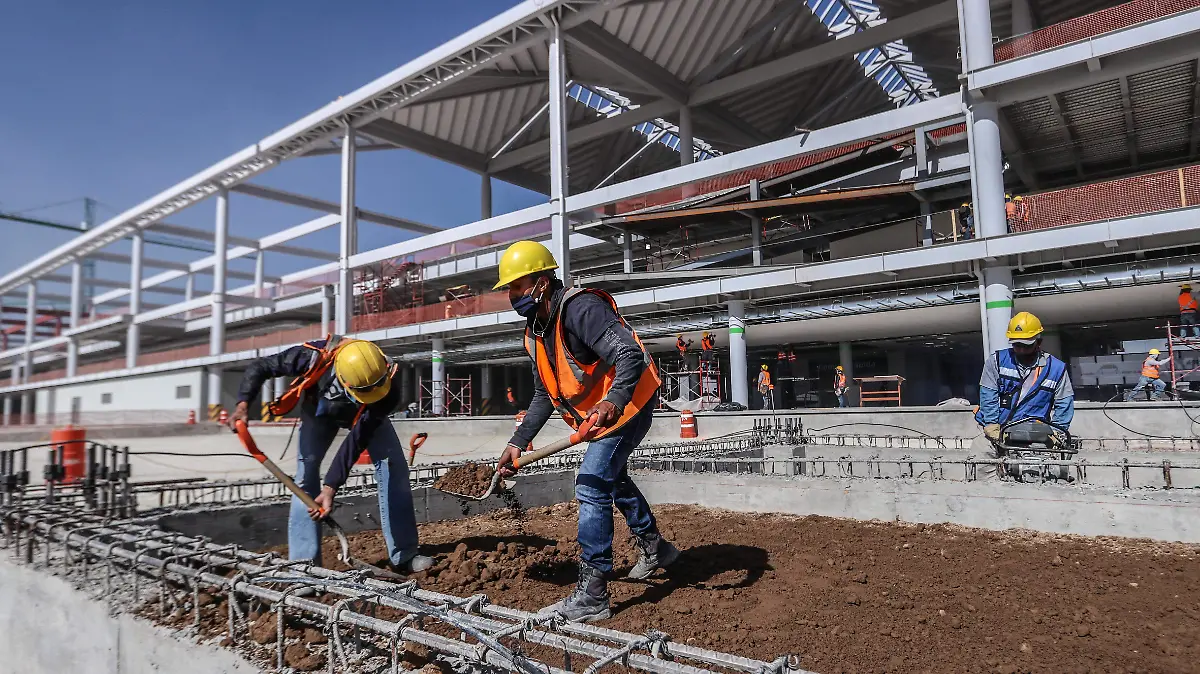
(1035, 450)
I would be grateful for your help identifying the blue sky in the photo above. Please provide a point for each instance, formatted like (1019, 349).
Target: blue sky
(120, 100)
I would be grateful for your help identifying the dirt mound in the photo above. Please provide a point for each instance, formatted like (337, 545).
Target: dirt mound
(854, 596)
(470, 479)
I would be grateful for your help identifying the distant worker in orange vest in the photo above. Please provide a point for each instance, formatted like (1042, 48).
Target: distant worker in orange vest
(1010, 211)
(682, 347)
(707, 345)
(588, 364)
(1150, 376)
(511, 397)
(765, 387)
(1187, 312)
(839, 386)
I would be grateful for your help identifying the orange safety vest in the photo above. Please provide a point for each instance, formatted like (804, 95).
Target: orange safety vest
(706, 343)
(1010, 209)
(1149, 368)
(1187, 303)
(574, 387)
(320, 365)
(839, 380)
(764, 380)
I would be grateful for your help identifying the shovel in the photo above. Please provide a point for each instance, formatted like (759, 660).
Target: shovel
(243, 433)
(582, 434)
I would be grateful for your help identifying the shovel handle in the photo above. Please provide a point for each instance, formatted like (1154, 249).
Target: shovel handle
(582, 434)
(243, 433)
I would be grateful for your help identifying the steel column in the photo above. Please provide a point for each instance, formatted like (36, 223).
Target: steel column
(755, 229)
(326, 308)
(987, 168)
(739, 378)
(485, 389)
(133, 335)
(27, 405)
(259, 267)
(213, 386)
(846, 360)
(559, 224)
(7, 413)
(76, 316)
(30, 329)
(1022, 17)
(686, 139)
(437, 387)
(485, 196)
(975, 27)
(189, 292)
(348, 235)
(216, 331)
(627, 251)
(998, 302)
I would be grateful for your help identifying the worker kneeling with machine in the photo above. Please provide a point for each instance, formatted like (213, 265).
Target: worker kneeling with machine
(1026, 404)
(587, 364)
(341, 383)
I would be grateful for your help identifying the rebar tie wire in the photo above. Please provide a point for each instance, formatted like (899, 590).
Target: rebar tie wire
(652, 641)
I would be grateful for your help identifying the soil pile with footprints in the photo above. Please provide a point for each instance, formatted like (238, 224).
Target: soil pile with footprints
(853, 596)
(469, 479)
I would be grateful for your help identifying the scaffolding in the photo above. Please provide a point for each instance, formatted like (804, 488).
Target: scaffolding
(1185, 356)
(388, 286)
(455, 395)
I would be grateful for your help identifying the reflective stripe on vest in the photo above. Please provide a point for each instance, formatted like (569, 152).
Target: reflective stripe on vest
(1039, 402)
(1150, 368)
(1187, 303)
(323, 359)
(574, 387)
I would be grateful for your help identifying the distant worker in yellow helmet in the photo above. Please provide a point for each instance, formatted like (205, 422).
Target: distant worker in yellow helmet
(1150, 376)
(588, 363)
(341, 383)
(1020, 382)
(1187, 312)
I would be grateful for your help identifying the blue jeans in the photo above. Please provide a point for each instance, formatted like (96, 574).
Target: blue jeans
(1158, 384)
(1187, 322)
(604, 479)
(841, 398)
(396, 516)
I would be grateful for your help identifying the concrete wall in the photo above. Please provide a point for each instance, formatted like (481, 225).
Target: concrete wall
(169, 395)
(1158, 515)
(49, 627)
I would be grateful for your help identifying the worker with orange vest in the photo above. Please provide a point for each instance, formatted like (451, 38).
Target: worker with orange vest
(341, 383)
(587, 364)
(1187, 312)
(839, 386)
(765, 387)
(510, 397)
(1010, 211)
(1151, 376)
(707, 346)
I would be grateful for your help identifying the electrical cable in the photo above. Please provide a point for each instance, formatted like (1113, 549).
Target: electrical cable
(1192, 427)
(868, 423)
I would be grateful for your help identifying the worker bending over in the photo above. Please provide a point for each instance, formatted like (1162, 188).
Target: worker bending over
(587, 362)
(1150, 376)
(839, 386)
(341, 383)
(765, 387)
(1187, 312)
(1021, 382)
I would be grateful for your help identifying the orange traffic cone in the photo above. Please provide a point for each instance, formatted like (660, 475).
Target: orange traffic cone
(687, 424)
(191, 418)
(223, 418)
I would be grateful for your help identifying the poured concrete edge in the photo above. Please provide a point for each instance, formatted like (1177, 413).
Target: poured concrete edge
(262, 525)
(1164, 515)
(49, 627)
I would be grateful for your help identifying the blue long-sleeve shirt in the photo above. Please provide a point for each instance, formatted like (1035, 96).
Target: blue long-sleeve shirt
(326, 402)
(989, 393)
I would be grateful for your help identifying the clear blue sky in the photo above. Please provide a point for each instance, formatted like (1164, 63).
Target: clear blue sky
(120, 100)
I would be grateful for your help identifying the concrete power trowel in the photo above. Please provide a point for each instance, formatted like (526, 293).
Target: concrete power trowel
(1035, 450)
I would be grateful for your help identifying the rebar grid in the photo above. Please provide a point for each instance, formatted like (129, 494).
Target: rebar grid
(490, 637)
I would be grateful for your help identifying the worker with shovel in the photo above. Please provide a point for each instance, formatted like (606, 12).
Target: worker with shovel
(588, 364)
(341, 383)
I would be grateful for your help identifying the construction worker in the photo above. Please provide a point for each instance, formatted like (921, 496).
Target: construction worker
(839, 386)
(587, 364)
(682, 347)
(1010, 211)
(341, 383)
(966, 219)
(1022, 211)
(707, 346)
(511, 397)
(1019, 382)
(765, 387)
(1150, 376)
(1187, 312)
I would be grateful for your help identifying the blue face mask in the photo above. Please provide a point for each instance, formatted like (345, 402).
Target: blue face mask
(525, 305)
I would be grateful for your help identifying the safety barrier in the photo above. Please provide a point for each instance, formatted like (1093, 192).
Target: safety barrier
(1089, 25)
(1123, 197)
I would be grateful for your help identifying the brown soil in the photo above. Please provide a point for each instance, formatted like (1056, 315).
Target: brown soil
(854, 596)
(469, 479)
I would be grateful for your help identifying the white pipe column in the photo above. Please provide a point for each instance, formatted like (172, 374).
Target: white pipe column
(30, 329)
(846, 360)
(216, 331)
(189, 292)
(686, 138)
(133, 331)
(998, 302)
(485, 389)
(267, 393)
(76, 316)
(259, 268)
(347, 235)
(627, 251)
(27, 406)
(6, 419)
(485, 196)
(755, 229)
(739, 378)
(1022, 17)
(437, 386)
(213, 387)
(559, 224)
(327, 296)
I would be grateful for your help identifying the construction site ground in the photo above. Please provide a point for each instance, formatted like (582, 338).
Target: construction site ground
(853, 596)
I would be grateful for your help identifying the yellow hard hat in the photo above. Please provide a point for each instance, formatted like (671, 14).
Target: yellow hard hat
(362, 369)
(965, 205)
(1018, 198)
(522, 259)
(839, 367)
(1008, 196)
(764, 366)
(1154, 352)
(1024, 327)
(1185, 286)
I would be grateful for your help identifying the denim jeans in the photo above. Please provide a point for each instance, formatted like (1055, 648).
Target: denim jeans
(1158, 384)
(1187, 322)
(604, 479)
(841, 398)
(396, 516)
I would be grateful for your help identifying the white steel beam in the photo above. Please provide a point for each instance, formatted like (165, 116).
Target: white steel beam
(216, 335)
(559, 223)
(347, 237)
(133, 333)
(769, 23)
(331, 207)
(201, 235)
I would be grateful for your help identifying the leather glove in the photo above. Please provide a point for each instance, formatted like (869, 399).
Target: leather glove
(992, 431)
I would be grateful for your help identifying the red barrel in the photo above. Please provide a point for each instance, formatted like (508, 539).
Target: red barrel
(74, 448)
(687, 424)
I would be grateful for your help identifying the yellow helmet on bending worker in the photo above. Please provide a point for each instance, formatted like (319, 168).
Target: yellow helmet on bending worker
(362, 369)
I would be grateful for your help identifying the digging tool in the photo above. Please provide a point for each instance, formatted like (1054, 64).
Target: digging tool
(582, 434)
(243, 433)
(414, 443)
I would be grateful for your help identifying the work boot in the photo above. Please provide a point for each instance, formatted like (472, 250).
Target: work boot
(654, 553)
(417, 564)
(588, 603)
